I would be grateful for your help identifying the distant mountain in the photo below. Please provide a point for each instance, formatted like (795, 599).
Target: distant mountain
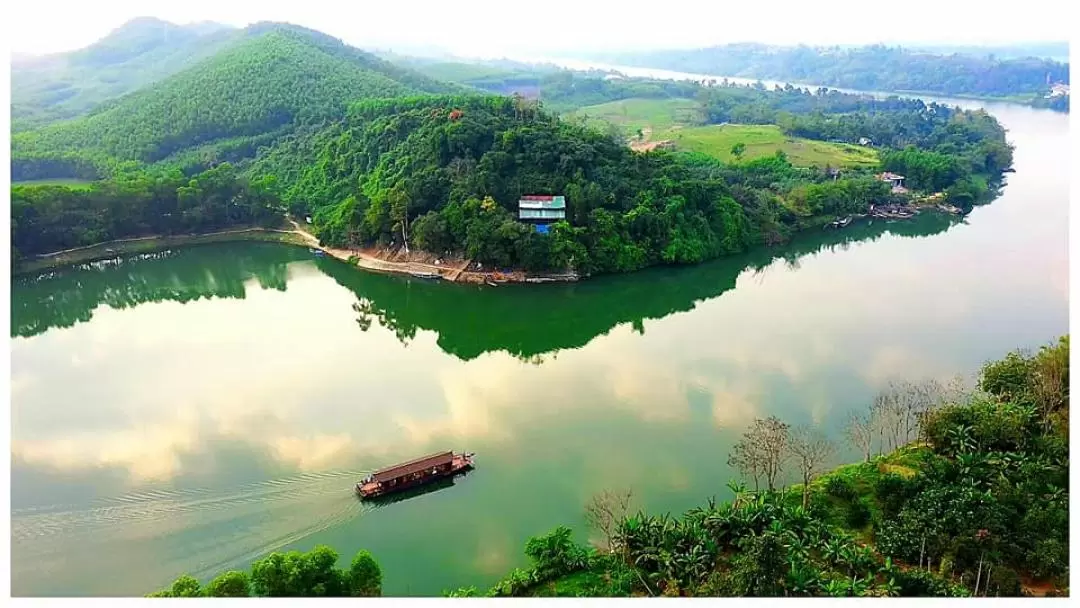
(867, 68)
(142, 51)
(1055, 51)
(270, 79)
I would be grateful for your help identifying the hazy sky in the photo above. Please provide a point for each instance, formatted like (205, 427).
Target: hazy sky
(491, 28)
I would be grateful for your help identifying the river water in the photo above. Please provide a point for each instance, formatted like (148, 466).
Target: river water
(194, 410)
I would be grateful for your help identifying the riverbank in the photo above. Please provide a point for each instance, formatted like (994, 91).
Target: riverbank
(148, 244)
(423, 264)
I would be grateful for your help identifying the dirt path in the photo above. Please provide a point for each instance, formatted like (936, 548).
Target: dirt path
(365, 259)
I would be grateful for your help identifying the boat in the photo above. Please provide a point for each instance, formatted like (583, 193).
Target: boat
(426, 275)
(413, 473)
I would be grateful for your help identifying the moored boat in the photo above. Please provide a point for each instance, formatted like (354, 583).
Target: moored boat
(426, 275)
(414, 473)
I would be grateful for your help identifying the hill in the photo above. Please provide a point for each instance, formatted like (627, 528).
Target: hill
(142, 51)
(871, 68)
(445, 174)
(272, 78)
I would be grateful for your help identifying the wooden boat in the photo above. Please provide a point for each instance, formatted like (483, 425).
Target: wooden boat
(414, 473)
(426, 275)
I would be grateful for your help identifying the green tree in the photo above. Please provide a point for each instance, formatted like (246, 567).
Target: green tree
(365, 576)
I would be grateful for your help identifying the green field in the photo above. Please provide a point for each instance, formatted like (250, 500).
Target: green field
(764, 140)
(53, 182)
(634, 114)
(681, 121)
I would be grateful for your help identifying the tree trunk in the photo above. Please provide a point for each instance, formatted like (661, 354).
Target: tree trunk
(922, 552)
(806, 491)
(978, 576)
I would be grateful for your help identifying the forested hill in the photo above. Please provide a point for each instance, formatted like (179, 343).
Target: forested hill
(142, 51)
(445, 173)
(870, 68)
(273, 78)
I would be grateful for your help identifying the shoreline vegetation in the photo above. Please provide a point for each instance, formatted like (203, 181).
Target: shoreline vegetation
(959, 492)
(1033, 81)
(428, 181)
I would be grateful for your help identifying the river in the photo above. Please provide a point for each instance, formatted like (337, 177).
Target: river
(193, 410)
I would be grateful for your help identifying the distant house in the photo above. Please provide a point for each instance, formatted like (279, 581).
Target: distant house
(541, 210)
(1058, 90)
(866, 141)
(896, 181)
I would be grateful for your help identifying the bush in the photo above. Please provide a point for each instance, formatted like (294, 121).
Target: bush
(365, 576)
(893, 491)
(1005, 581)
(858, 514)
(840, 487)
(1049, 559)
(230, 584)
(556, 554)
(517, 582)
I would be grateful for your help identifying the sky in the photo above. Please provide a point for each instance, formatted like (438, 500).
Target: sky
(488, 28)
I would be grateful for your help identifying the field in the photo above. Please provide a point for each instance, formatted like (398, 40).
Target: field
(681, 122)
(52, 182)
(764, 140)
(634, 114)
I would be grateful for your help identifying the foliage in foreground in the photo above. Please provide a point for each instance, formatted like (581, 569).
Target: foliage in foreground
(980, 504)
(292, 574)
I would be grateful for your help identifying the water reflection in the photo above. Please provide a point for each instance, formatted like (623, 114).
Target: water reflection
(469, 321)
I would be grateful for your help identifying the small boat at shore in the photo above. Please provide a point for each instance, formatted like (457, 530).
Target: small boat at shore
(425, 275)
(414, 473)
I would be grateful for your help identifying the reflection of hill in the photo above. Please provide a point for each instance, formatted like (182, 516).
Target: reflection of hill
(524, 320)
(66, 297)
(528, 321)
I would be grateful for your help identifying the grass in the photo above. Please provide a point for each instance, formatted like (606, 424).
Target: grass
(579, 584)
(53, 182)
(682, 121)
(461, 72)
(638, 113)
(765, 140)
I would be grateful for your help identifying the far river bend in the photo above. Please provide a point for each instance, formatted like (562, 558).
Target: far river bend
(194, 410)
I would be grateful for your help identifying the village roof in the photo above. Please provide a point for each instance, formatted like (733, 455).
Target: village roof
(537, 201)
(413, 466)
(890, 175)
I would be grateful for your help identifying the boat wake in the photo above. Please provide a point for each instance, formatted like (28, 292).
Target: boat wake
(196, 531)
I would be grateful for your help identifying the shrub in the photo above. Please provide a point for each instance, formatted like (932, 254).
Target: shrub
(1049, 558)
(858, 514)
(893, 491)
(555, 554)
(230, 584)
(364, 576)
(517, 582)
(1005, 581)
(840, 487)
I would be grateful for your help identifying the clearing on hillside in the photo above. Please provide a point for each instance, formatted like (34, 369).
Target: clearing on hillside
(59, 181)
(764, 140)
(637, 113)
(681, 122)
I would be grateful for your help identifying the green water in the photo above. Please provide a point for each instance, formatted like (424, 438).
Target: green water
(193, 410)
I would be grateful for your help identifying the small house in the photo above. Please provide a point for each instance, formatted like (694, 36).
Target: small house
(541, 210)
(866, 141)
(894, 180)
(1058, 89)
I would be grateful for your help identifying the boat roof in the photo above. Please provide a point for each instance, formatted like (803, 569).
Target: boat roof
(413, 466)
